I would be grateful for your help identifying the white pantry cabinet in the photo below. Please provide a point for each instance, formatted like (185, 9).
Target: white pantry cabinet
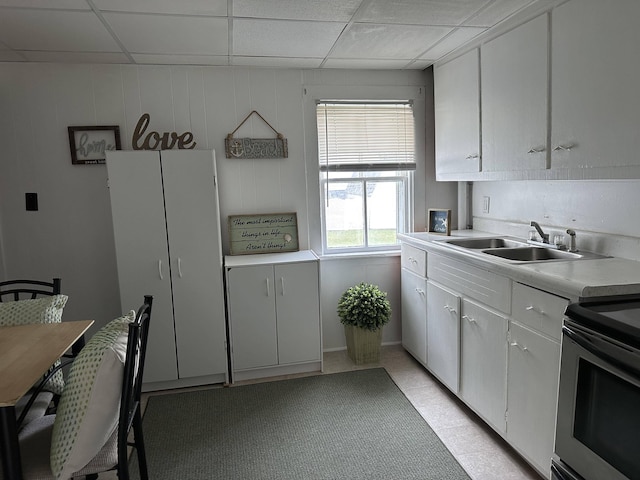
(514, 80)
(595, 103)
(166, 226)
(274, 314)
(457, 115)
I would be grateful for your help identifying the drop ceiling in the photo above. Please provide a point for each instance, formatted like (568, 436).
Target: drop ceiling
(378, 34)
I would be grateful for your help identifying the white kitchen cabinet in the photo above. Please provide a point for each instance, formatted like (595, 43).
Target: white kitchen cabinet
(483, 362)
(166, 226)
(273, 313)
(514, 84)
(413, 294)
(457, 116)
(534, 363)
(443, 334)
(595, 103)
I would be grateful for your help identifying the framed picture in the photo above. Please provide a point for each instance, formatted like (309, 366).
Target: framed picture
(89, 145)
(263, 233)
(439, 221)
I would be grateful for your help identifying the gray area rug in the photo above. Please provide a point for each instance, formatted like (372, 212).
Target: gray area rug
(353, 425)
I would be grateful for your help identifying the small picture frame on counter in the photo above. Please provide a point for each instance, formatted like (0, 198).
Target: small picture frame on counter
(439, 221)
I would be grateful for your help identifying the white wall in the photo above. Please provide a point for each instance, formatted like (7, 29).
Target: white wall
(604, 214)
(71, 235)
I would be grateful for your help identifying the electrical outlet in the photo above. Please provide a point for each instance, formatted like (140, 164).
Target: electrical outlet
(485, 204)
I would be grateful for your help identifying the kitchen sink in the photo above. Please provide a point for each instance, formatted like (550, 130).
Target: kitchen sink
(533, 254)
(482, 243)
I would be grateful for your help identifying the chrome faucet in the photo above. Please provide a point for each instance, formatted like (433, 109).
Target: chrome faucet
(572, 241)
(544, 236)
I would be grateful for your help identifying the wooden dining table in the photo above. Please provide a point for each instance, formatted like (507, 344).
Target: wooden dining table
(26, 353)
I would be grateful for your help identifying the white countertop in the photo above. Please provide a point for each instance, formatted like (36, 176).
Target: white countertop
(572, 278)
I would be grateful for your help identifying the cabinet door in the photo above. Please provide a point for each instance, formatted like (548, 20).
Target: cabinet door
(137, 206)
(595, 103)
(483, 362)
(457, 116)
(414, 314)
(532, 387)
(193, 230)
(297, 312)
(443, 334)
(514, 98)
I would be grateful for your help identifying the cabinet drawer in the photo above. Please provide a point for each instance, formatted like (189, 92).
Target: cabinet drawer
(414, 259)
(486, 287)
(539, 310)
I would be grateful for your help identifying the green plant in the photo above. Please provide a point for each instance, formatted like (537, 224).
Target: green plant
(365, 306)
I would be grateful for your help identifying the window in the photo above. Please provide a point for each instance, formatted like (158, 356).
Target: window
(366, 163)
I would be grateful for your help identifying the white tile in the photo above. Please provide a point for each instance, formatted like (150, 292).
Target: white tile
(420, 12)
(48, 4)
(496, 11)
(386, 41)
(166, 34)
(76, 57)
(11, 56)
(54, 30)
(322, 10)
(183, 7)
(452, 41)
(175, 59)
(283, 38)
(280, 62)
(368, 63)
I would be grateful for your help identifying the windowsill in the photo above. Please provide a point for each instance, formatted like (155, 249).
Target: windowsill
(355, 255)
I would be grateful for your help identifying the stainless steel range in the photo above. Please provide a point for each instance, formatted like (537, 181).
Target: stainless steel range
(598, 419)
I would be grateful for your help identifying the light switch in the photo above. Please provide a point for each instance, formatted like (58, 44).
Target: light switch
(485, 204)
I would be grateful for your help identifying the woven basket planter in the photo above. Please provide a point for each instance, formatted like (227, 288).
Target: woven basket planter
(363, 346)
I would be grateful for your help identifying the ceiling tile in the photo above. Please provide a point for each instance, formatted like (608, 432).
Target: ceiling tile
(76, 57)
(420, 12)
(183, 7)
(148, 59)
(277, 62)
(366, 63)
(452, 41)
(283, 38)
(54, 30)
(166, 34)
(58, 4)
(496, 11)
(320, 10)
(386, 41)
(10, 56)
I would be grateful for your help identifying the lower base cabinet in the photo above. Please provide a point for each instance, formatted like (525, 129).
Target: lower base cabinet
(273, 314)
(414, 314)
(443, 334)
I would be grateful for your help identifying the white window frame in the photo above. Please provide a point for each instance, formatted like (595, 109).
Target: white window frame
(395, 172)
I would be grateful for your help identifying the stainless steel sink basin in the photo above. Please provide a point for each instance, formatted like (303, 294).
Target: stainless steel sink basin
(482, 243)
(533, 254)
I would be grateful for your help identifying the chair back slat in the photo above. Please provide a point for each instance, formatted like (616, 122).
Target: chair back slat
(14, 290)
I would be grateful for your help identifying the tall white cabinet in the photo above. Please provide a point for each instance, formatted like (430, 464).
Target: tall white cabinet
(166, 225)
(274, 314)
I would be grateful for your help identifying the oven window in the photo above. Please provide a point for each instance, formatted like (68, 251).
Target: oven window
(607, 417)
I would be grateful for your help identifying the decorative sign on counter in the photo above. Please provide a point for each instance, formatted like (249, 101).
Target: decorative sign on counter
(439, 221)
(263, 233)
(256, 147)
(89, 145)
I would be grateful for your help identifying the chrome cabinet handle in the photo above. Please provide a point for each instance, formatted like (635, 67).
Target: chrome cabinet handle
(516, 344)
(536, 150)
(160, 270)
(179, 267)
(472, 156)
(420, 291)
(531, 308)
(268, 290)
(282, 285)
(469, 319)
(450, 309)
(566, 148)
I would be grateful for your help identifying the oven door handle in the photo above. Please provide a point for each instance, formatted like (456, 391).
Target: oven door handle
(586, 343)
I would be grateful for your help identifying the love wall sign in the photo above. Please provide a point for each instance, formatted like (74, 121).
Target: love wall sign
(159, 141)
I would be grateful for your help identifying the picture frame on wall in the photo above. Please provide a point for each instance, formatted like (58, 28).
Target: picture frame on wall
(439, 221)
(89, 144)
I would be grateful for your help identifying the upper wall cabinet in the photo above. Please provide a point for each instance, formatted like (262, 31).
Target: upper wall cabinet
(457, 116)
(594, 83)
(514, 79)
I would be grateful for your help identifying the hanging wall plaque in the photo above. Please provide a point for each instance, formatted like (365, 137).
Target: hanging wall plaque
(256, 147)
(263, 233)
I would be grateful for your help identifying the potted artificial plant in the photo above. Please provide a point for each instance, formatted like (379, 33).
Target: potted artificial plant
(363, 310)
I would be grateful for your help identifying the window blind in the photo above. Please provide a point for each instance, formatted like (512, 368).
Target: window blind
(365, 136)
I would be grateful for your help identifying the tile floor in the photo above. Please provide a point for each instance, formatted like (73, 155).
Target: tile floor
(480, 451)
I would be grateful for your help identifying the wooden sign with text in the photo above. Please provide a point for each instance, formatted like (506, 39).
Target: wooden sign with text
(263, 233)
(156, 141)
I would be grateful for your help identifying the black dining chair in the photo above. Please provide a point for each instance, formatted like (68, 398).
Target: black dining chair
(36, 437)
(39, 401)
